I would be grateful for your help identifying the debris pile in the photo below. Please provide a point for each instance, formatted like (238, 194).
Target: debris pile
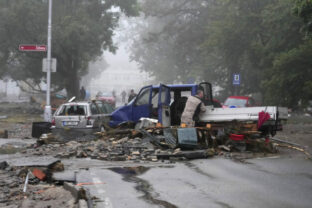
(29, 186)
(153, 144)
(134, 149)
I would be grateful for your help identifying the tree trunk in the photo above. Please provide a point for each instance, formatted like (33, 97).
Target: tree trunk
(72, 85)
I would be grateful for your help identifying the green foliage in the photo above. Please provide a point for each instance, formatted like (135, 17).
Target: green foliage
(212, 39)
(169, 37)
(303, 9)
(81, 30)
(291, 72)
(233, 36)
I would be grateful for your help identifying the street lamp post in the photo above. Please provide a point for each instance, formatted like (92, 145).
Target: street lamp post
(47, 109)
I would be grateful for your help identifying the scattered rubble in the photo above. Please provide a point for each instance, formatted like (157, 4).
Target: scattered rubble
(148, 144)
(28, 186)
(151, 144)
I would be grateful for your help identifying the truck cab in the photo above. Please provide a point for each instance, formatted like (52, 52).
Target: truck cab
(162, 102)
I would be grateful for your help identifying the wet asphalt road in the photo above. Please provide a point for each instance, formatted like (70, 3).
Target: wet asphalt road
(217, 182)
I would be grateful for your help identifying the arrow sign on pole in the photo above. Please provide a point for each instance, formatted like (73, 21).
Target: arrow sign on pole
(39, 48)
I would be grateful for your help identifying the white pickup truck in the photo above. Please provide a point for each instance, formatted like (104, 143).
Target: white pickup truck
(243, 114)
(247, 115)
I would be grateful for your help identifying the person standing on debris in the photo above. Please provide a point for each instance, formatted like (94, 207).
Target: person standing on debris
(123, 96)
(82, 93)
(131, 95)
(193, 107)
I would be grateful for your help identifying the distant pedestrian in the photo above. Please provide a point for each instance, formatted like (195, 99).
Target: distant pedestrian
(82, 93)
(114, 94)
(123, 96)
(131, 95)
(193, 107)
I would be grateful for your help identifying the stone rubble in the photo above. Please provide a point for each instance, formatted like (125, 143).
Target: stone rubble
(130, 145)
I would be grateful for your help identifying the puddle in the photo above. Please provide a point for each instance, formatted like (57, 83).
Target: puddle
(130, 175)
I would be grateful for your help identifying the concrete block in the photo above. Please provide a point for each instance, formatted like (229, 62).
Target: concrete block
(72, 189)
(82, 204)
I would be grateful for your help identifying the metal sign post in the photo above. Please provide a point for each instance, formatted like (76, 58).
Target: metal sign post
(236, 83)
(47, 109)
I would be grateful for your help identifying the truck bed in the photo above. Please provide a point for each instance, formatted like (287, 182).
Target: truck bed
(242, 114)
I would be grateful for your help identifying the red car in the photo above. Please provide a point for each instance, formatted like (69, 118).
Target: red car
(239, 102)
(106, 97)
(216, 103)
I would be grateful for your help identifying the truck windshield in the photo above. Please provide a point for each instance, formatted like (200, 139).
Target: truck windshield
(143, 97)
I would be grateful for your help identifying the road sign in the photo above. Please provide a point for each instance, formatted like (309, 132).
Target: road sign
(45, 65)
(33, 48)
(236, 79)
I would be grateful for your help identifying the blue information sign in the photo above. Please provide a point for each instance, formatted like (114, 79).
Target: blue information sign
(236, 79)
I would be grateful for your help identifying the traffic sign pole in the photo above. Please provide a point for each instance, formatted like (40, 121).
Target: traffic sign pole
(236, 83)
(47, 109)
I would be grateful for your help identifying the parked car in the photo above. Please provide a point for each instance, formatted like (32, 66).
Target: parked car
(239, 102)
(85, 116)
(107, 97)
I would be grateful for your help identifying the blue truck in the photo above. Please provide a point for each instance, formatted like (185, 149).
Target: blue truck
(166, 104)
(162, 102)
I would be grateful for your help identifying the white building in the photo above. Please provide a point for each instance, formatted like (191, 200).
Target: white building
(120, 75)
(9, 90)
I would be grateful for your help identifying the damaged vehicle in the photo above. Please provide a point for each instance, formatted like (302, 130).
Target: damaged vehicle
(166, 103)
(87, 116)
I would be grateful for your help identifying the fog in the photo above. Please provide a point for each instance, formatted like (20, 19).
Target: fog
(115, 71)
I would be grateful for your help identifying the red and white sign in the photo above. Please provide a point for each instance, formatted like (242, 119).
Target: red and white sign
(32, 47)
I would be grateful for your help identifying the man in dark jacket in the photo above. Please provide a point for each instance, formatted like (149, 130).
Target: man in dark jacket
(131, 95)
(123, 96)
(82, 93)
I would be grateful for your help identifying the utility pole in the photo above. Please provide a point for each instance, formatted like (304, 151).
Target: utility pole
(47, 109)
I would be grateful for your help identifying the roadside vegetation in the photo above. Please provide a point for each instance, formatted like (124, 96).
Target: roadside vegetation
(267, 42)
